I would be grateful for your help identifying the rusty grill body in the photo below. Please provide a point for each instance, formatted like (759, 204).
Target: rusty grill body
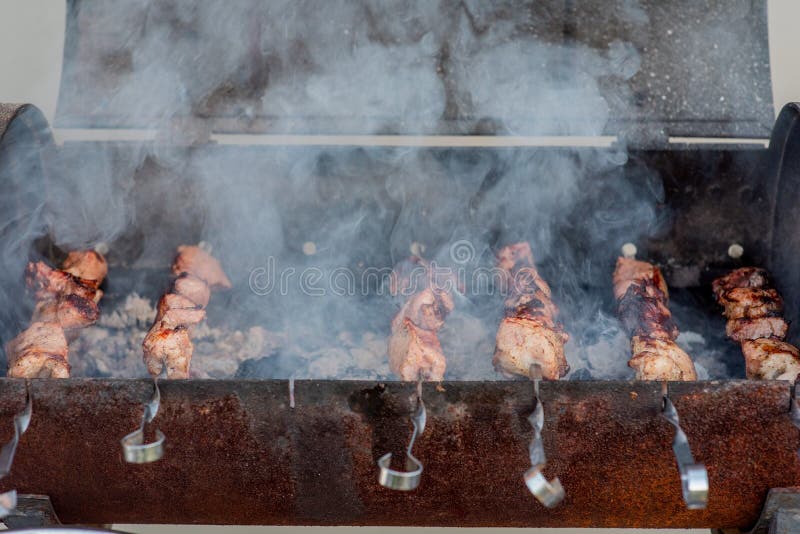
(238, 453)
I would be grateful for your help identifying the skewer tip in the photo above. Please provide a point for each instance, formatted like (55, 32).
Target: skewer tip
(735, 251)
(629, 250)
(101, 248)
(309, 248)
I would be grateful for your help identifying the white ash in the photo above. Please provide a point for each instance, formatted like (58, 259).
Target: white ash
(113, 347)
(708, 359)
(135, 311)
(605, 357)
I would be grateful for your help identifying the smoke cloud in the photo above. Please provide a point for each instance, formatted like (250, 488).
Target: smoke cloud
(350, 67)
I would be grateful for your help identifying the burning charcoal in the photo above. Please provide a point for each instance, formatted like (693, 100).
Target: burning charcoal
(278, 365)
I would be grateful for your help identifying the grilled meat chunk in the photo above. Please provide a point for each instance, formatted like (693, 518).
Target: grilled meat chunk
(522, 342)
(744, 277)
(529, 333)
(176, 310)
(70, 311)
(36, 364)
(87, 265)
(751, 303)
(415, 352)
(771, 359)
(197, 262)
(40, 351)
(742, 329)
(47, 283)
(66, 300)
(427, 309)
(170, 347)
(660, 359)
(629, 271)
(643, 311)
(41, 337)
(192, 288)
(414, 348)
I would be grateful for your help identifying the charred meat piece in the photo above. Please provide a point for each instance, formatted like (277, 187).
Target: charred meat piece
(168, 343)
(643, 308)
(40, 351)
(751, 303)
(197, 262)
(742, 329)
(660, 359)
(415, 352)
(753, 308)
(771, 359)
(529, 333)
(88, 265)
(48, 283)
(643, 311)
(70, 311)
(744, 277)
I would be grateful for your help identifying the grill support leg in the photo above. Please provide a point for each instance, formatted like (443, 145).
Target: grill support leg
(780, 515)
(32, 511)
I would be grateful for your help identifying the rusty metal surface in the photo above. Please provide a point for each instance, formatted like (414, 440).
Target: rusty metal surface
(237, 454)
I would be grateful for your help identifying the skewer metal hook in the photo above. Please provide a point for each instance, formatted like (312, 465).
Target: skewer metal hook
(410, 478)
(694, 477)
(549, 493)
(8, 500)
(135, 450)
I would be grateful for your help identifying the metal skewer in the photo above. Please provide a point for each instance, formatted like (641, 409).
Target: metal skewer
(549, 493)
(694, 477)
(135, 450)
(8, 500)
(409, 479)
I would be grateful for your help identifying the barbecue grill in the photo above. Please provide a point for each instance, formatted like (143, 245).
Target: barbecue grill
(283, 442)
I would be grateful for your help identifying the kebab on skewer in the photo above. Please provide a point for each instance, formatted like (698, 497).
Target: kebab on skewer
(642, 306)
(529, 333)
(414, 348)
(168, 343)
(66, 299)
(754, 310)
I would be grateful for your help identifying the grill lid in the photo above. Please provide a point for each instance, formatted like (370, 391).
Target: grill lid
(642, 69)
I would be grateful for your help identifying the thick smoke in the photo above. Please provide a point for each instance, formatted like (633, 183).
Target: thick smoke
(341, 217)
